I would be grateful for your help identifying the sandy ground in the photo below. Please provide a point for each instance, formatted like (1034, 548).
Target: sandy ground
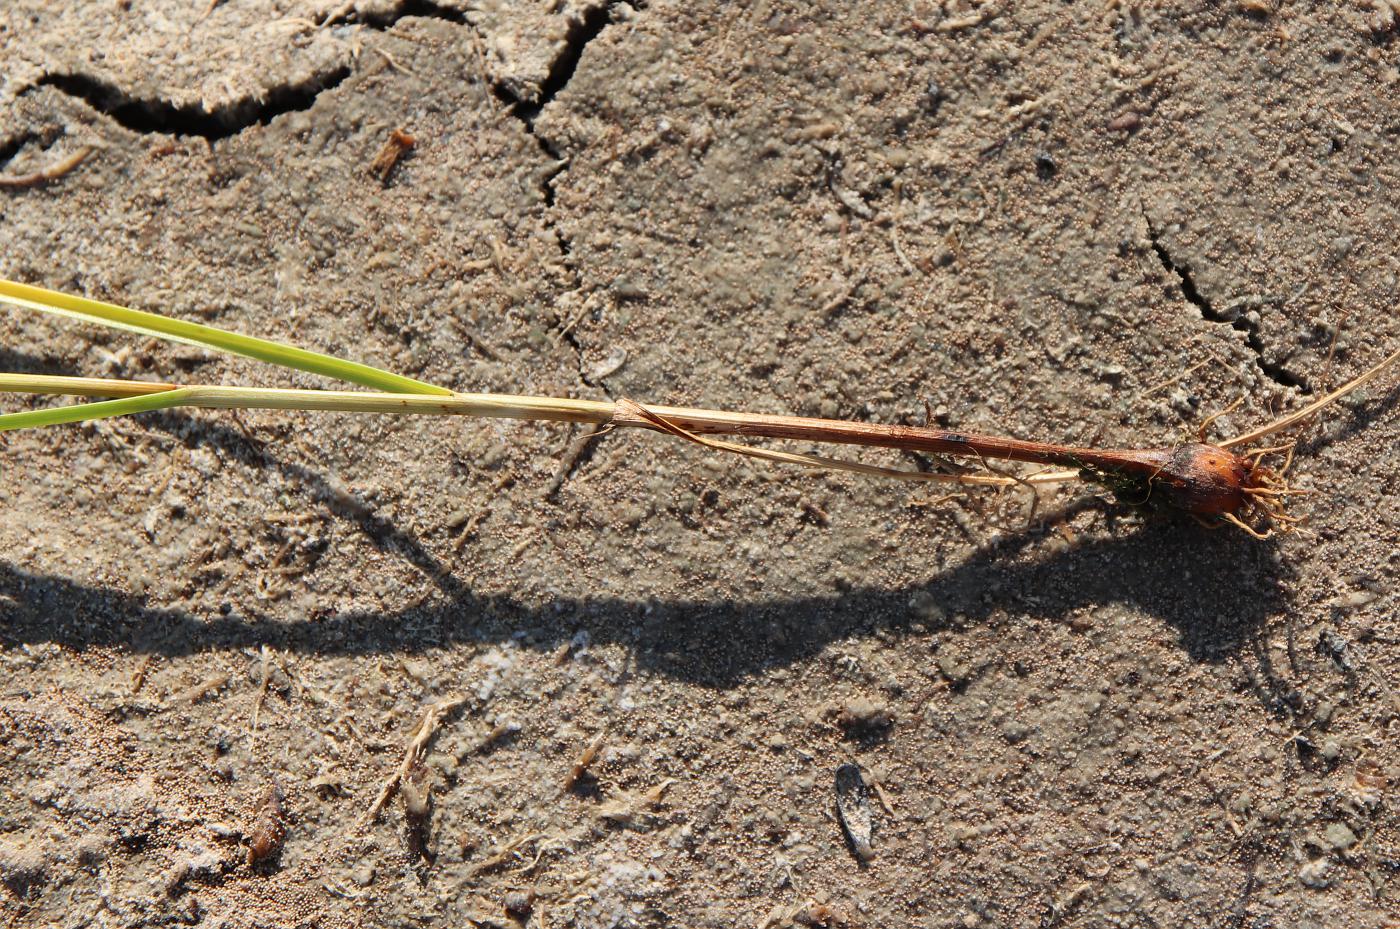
(1075, 221)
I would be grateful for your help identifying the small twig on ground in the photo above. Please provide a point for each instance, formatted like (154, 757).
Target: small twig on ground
(1162, 385)
(583, 310)
(849, 291)
(417, 747)
(391, 62)
(138, 677)
(573, 457)
(45, 175)
(191, 694)
(395, 147)
(587, 758)
(894, 230)
(262, 696)
(504, 854)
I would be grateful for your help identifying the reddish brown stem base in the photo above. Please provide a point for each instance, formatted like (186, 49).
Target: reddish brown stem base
(1199, 479)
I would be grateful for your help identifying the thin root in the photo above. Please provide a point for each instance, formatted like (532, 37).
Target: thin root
(1035, 497)
(1255, 456)
(1267, 493)
(1205, 424)
(1267, 533)
(629, 412)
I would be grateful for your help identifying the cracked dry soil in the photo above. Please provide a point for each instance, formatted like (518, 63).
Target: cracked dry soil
(1075, 221)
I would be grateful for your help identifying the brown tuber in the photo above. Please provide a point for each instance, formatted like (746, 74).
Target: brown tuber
(1204, 480)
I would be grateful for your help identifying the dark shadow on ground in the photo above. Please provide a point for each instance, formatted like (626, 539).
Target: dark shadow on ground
(245, 447)
(1216, 588)
(13, 362)
(250, 450)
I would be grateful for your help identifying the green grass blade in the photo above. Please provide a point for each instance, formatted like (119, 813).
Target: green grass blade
(176, 330)
(81, 412)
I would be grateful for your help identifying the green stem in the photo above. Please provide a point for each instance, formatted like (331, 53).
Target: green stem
(143, 398)
(176, 330)
(105, 409)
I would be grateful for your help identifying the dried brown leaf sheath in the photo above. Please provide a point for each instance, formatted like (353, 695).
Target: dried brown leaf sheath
(1199, 479)
(269, 827)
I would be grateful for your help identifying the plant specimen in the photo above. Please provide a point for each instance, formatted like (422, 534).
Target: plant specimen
(1211, 483)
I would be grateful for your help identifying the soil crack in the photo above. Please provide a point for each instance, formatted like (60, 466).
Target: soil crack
(159, 115)
(1234, 314)
(527, 110)
(425, 9)
(581, 32)
(522, 103)
(156, 115)
(10, 147)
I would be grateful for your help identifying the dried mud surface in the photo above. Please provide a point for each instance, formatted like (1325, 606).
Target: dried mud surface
(1082, 221)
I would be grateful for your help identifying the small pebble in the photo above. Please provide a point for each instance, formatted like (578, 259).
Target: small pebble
(1340, 248)
(201, 864)
(933, 98)
(90, 851)
(518, 903)
(610, 365)
(1314, 874)
(1339, 836)
(955, 671)
(1016, 731)
(1125, 122)
(863, 717)
(925, 606)
(1356, 598)
(628, 290)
